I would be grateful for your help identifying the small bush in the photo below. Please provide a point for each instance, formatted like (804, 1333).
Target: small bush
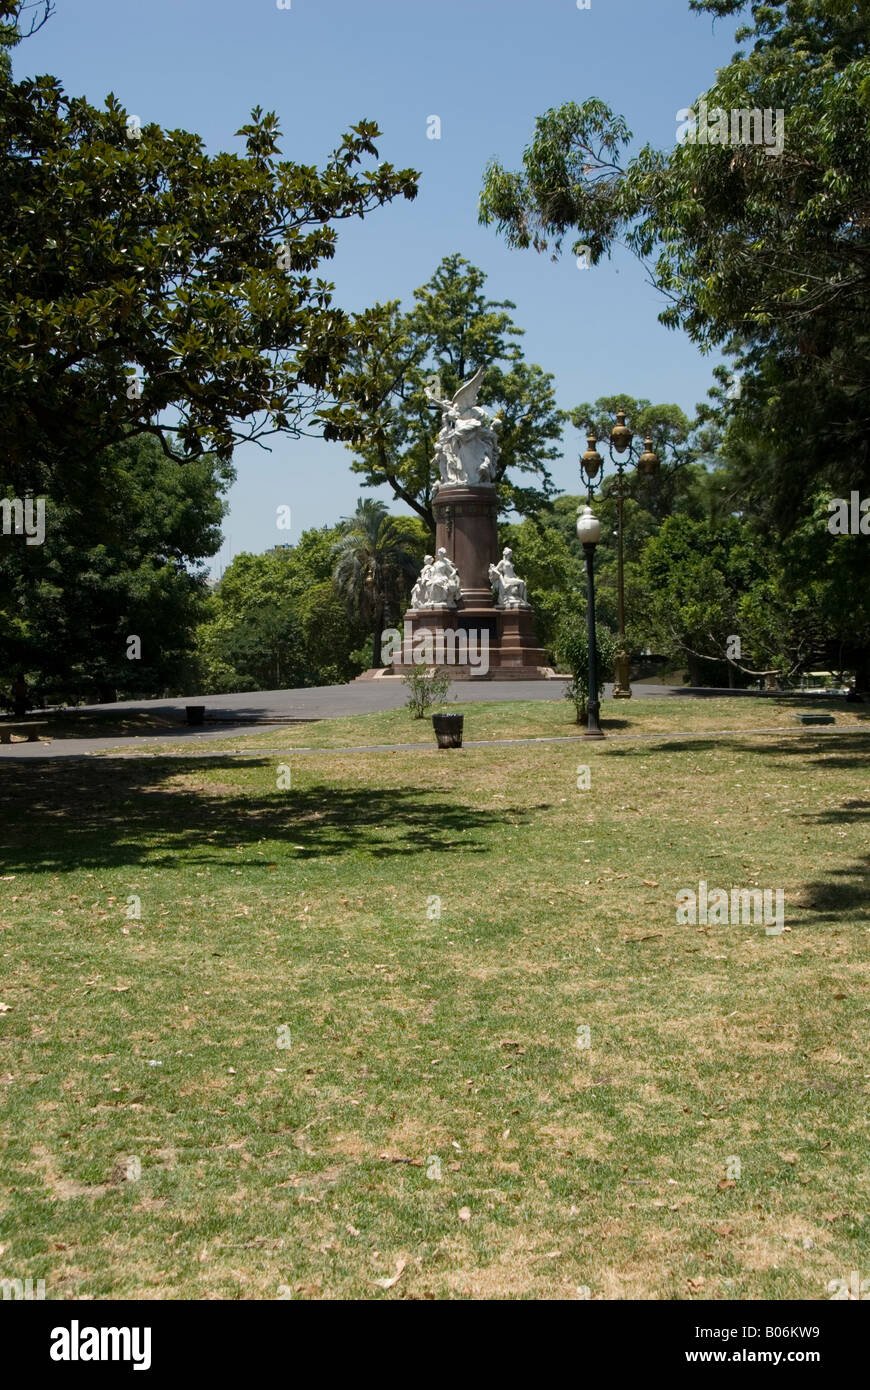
(427, 686)
(573, 651)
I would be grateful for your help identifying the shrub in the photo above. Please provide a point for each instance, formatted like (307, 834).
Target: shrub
(573, 651)
(427, 686)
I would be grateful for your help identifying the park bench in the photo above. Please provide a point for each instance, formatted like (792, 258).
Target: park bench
(28, 730)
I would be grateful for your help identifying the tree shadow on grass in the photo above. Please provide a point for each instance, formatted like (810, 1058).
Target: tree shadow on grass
(838, 750)
(58, 816)
(840, 893)
(846, 890)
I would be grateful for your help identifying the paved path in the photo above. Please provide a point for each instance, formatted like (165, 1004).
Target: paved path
(320, 702)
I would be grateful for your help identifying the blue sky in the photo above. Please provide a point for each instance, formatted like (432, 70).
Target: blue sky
(487, 68)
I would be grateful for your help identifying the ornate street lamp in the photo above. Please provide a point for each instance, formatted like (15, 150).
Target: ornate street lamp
(647, 462)
(589, 534)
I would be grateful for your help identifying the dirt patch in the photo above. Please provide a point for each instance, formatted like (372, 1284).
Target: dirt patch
(64, 1189)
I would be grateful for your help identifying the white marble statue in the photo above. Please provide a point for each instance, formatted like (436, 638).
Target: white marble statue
(420, 591)
(439, 585)
(511, 589)
(466, 450)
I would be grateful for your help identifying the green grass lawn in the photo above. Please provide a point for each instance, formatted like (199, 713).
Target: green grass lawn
(291, 1078)
(546, 719)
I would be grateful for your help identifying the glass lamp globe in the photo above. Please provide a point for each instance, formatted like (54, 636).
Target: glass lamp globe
(588, 527)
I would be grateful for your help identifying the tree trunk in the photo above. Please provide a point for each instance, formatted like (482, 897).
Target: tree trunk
(694, 669)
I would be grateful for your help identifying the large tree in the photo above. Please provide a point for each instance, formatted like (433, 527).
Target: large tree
(147, 287)
(763, 252)
(451, 330)
(124, 563)
(748, 240)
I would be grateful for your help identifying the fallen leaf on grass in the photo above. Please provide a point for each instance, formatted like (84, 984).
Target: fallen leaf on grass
(388, 1283)
(399, 1158)
(726, 1182)
(650, 882)
(465, 1213)
(724, 1230)
(695, 1283)
(4, 1008)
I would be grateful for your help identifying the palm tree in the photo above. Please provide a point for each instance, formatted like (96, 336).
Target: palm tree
(375, 566)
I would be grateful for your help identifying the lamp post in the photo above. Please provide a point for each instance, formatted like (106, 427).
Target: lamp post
(648, 462)
(589, 534)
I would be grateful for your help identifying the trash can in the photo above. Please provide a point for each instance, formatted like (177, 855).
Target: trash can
(448, 729)
(195, 714)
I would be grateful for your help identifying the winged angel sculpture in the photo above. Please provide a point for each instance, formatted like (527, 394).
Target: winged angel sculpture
(467, 449)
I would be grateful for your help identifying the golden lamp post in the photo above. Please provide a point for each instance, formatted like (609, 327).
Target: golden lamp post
(621, 453)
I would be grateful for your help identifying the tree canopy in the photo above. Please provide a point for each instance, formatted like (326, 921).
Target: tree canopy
(451, 330)
(148, 287)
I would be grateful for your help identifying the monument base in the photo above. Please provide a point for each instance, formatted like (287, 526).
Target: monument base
(453, 638)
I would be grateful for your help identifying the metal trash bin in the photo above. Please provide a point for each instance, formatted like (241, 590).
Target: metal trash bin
(448, 729)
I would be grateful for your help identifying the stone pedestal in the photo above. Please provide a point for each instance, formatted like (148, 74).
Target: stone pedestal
(518, 645)
(466, 526)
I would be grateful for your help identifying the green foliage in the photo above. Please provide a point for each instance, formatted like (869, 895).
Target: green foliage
(120, 254)
(451, 330)
(766, 254)
(705, 583)
(552, 569)
(276, 622)
(123, 562)
(377, 558)
(573, 655)
(427, 686)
